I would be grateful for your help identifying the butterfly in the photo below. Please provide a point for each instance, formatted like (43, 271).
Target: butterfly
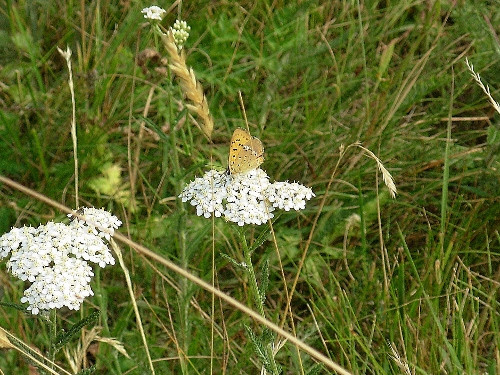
(245, 152)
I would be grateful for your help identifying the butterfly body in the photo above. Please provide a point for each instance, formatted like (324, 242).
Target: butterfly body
(245, 152)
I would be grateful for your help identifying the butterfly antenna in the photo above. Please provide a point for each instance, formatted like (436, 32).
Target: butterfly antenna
(244, 112)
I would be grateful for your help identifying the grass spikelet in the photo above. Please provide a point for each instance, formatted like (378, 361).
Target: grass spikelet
(189, 85)
(386, 175)
(402, 364)
(486, 89)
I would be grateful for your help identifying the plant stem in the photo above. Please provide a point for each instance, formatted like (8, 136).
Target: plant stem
(170, 154)
(258, 298)
(52, 336)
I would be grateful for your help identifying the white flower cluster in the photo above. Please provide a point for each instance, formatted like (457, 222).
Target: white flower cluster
(287, 195)
(180, 31)
(154, 13)
(243, 198)
(54, 258)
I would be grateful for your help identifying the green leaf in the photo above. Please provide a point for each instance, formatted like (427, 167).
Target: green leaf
(233, 261)
(493, 135)
(64, 337)
(264, 280)
(87, 371)
(258, 346)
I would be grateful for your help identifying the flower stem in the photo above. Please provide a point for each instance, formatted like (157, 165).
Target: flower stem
(258, 299)
(256, 295)
(171, 155)
(52, 336)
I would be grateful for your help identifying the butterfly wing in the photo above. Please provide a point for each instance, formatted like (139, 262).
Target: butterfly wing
(245, 152)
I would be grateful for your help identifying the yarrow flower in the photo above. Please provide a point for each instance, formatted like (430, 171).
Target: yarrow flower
(180, 31)
(243, 198)
(287, 195)
(154, 13)
(54, 258)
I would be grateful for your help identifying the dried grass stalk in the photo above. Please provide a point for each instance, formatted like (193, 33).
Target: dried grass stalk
(189, 85)
(486, 89)
(386, 175)
(401, 362)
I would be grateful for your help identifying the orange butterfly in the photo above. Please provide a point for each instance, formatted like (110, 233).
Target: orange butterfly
(245, 152)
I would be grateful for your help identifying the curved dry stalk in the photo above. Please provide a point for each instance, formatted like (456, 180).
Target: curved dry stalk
(191, 277)
(386, 175)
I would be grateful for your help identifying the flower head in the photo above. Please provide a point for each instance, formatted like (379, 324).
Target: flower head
(287, 195)
(246, 199)
(64, 284)
(54, 258)
(180, 31)
(154, 13)
(243, 198)
(99, 222)
(207, 194)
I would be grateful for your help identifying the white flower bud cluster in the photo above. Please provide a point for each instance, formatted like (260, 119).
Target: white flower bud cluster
(180, 31)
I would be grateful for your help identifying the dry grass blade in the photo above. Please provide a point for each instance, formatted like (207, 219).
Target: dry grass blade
(128, 280)
(32, 355)
(4, 341)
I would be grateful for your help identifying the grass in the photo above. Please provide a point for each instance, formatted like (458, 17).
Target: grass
(386, 283)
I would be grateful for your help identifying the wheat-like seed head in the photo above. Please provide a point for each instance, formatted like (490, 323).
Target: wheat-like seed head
(189, 85)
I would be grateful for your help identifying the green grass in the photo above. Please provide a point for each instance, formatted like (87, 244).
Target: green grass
(419, 272)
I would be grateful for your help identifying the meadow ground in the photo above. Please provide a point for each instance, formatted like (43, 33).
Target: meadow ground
(377, 285)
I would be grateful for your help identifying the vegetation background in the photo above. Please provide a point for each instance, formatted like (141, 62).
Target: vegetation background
(415, 277)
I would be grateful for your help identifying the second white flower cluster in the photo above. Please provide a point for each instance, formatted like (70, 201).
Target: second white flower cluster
(243, 198)
(54, 258)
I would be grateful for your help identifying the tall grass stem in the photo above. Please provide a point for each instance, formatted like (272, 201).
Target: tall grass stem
(67, 56)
